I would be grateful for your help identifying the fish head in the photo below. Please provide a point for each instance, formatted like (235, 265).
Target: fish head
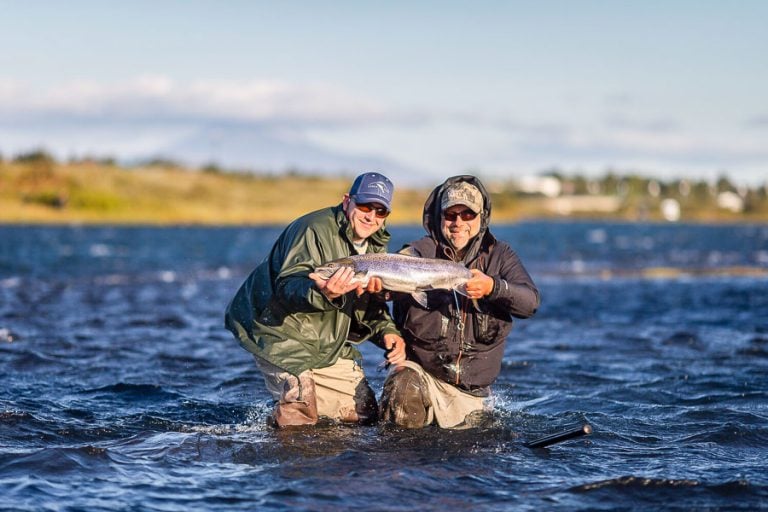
(327, 269)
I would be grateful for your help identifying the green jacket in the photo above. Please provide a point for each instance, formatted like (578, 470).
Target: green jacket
(280, 316)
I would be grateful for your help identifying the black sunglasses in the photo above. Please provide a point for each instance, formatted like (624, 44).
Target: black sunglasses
(381, 212)
(466, 215)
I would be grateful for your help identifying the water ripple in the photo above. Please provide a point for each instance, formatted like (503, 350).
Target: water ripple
(122, 391)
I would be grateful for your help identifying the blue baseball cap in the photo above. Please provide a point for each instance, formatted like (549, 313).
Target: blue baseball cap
(372, 187)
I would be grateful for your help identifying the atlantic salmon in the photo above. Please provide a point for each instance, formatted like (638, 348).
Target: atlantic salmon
(401, 273)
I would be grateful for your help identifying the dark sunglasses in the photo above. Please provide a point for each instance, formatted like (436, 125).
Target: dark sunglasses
(466, 215)
(381, 212)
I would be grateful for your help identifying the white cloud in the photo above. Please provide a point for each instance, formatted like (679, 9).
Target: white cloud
(274, 124)
(161, 99)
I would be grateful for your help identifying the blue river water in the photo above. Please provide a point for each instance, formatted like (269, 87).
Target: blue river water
(121, 390)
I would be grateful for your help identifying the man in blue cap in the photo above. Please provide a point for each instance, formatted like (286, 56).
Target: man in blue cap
(303, 329)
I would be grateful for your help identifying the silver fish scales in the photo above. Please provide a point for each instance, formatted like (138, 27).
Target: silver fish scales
(401, 273)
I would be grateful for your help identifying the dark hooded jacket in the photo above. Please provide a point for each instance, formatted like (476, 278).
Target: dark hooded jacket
(280, 316)
(456, 340)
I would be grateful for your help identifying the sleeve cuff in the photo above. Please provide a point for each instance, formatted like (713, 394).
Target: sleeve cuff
(500, 289)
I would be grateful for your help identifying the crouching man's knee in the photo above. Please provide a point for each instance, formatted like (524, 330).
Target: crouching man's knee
(403, 400)
(298, 402)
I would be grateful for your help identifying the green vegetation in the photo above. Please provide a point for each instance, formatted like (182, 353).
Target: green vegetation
(39, 190)
(34, 188)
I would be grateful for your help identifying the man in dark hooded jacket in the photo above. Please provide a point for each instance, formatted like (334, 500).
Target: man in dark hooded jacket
(456, 344)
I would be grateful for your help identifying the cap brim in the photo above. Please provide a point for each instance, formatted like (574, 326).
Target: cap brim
(462, 203)
(370, 198)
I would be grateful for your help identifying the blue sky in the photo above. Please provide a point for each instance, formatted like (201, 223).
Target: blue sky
(417, 90)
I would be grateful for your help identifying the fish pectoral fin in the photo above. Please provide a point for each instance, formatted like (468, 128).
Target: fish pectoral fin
(462, 289)
(421, 298)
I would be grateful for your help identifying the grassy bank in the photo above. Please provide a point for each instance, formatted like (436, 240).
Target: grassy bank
(44, 191)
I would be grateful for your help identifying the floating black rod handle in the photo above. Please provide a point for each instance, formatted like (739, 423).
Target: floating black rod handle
(583, 430)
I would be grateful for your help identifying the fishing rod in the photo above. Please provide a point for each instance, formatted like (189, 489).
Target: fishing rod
(583, 430)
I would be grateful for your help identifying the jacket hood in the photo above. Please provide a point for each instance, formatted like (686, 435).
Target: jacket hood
(432, 218)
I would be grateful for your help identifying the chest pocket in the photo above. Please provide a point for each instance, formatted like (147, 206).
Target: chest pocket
(429, 325)
(490, 327)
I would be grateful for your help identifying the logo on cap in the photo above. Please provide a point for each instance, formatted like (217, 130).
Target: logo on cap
(462, 193)
(382, 188)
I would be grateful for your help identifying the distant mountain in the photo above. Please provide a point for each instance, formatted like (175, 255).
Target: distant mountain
(252, 148)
